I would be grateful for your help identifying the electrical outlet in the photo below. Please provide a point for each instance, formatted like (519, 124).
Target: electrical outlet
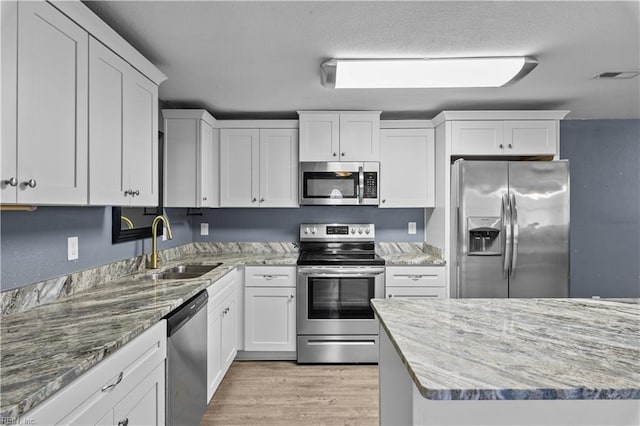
(411, 228)
(72, 248)
(204, 229)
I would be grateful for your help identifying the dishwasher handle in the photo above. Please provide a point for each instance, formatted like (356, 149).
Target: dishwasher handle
(180, 316)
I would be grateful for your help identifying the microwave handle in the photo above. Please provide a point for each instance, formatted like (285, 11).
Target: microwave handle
(360, 184)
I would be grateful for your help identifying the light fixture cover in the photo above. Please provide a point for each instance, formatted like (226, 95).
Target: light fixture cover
(425, 73)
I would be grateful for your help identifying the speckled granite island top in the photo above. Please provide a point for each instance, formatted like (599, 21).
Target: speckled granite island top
(513, 349)
(47, 347)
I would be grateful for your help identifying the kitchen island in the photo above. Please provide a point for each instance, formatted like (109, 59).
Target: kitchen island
(509, 361)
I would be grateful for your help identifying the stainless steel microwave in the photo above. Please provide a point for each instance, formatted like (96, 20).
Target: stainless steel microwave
(339, 183)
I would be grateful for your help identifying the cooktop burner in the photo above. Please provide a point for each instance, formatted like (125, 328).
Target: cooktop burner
(338, 245)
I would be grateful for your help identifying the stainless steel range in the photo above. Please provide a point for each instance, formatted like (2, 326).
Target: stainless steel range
(338, 274)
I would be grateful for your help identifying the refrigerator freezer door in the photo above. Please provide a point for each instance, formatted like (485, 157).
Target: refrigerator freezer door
(482, 186)
(539, 193)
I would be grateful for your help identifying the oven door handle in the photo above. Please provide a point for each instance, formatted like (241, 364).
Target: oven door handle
(360, 271)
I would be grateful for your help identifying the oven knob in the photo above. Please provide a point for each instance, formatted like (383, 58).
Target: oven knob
(353, 230)
(367, 230)
(313, 230)
(306, 230)
(359, 230)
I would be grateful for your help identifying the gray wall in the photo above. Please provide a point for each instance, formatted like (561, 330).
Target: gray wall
(33, 246)
(264, 225)
(604, 158)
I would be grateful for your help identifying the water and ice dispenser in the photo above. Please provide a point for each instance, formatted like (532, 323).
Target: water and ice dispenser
(484, 236)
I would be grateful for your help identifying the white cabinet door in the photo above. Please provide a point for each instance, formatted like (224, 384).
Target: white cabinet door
(52, 107)
(359, 137)
(107, 75)
(319, 136)
(229, 333)
(214, 353)
(530, 137)
(144, 405)
(477, 137)
(9, 99)
(278, 168)
(407, 168)
(180, 162)
(270, 319)
(208, 164)
(239, 167)
(140, 134)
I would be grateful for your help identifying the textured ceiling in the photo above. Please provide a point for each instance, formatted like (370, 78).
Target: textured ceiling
(262, 59)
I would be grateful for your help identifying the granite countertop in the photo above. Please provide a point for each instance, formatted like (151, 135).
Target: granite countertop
(517, 348)
(47, 347)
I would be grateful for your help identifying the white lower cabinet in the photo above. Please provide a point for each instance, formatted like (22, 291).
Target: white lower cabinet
(415, 281)
(128, 387)
(270, 308)
(222, 314)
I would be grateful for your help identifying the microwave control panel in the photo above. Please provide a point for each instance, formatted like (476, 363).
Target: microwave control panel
(370, 185)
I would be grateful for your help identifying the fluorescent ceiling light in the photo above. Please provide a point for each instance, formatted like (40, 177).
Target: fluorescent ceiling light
(425, 73)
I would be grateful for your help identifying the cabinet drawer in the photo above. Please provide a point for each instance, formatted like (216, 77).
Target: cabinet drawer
(89, 397)
(415, 276)
(270, 276)
(415, 292)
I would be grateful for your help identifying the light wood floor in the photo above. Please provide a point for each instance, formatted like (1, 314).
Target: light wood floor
(284, 393)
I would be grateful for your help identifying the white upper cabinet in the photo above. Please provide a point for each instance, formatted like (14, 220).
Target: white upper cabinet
(56, 71)
(123, 147)
(339, 136)
(407, 168)
(191, 159)
(44, 147)
(509, 137)
(258, 168)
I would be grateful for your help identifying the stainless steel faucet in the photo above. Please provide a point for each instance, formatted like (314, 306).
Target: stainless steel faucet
(154, 260)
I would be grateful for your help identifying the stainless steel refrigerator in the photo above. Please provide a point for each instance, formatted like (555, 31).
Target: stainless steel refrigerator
(511, 228)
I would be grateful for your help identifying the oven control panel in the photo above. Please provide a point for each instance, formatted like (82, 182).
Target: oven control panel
(337, 232)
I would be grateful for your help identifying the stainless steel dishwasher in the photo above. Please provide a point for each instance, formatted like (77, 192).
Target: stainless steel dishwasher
(187, 362)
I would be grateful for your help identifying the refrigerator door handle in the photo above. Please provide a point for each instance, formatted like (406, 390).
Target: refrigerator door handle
(514, 224)
(506, 231)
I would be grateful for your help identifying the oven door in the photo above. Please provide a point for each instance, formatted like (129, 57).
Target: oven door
(336, 300)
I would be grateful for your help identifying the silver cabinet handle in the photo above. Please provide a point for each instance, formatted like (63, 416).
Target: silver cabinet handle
(31, 183)
(128, 192)
(335, 154)
(11, 182)
(391, 295)
(384, 200)
(113, 385)
(414, 277)
(510, 146)
(124, 422)
(291, 296)
(343, 153)
(254, 200)
(262, 200)
(137, 192)
(501, 146)
(268, 277)
(204, 198)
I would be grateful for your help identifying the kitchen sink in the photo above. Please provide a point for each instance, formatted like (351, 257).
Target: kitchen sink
(183, 272)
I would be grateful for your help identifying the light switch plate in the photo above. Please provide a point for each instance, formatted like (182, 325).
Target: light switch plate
(411, 228)
(204, 229)
(72, 248)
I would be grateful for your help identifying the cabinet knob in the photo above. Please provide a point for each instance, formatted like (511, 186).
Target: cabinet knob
(384, 200)
(254, 200)
(391, 295)
(335, 154)
(124, 422)
(128, 192)
(11, 182)
(510, 146)
(291, 296)
(204, 198)
(343, 154)
(137, 192)
(31, 183)
(501, 146)
(262, 200)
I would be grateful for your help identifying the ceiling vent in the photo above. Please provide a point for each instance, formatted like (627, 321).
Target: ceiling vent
(618, 75)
